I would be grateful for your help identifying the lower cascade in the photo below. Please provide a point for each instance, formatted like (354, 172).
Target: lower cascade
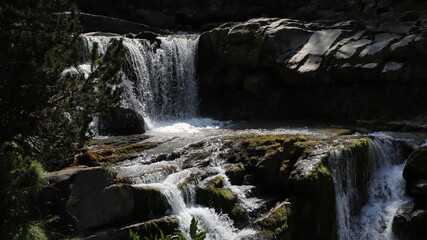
(380, 187)
(180, 186)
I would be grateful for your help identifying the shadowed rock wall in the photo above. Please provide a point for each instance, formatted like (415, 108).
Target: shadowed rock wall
(281, 68)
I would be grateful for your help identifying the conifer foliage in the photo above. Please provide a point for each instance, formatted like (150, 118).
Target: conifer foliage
(42, 109)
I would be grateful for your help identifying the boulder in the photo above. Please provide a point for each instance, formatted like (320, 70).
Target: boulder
(123, 121)
(276, 223)
(149, 203)
(415, 173)
(83, 199)
(276, 68)
(215, 195)
(268, 158)
(410, 221)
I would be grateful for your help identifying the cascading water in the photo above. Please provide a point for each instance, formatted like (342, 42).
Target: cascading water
(169, 177)
(385, 191)
(159, 80)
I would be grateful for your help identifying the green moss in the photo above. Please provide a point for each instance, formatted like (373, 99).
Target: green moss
(276, 224)
(238, 213)
(215, 195)
(217, 182)
(139, 147)
(187, 181)
(35, 232)
(225, 194)
(320, 171)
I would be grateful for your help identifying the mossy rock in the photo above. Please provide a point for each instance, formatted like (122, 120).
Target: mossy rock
(277, 223)
(151, 229)
(112, 154)
(269, 158)
(236, 174)
(238, 214)
(216, 196)
(356, 153)
(150, 203)
(192, 178)
(312, 193)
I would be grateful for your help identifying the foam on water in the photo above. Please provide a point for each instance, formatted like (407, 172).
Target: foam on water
(385, 191)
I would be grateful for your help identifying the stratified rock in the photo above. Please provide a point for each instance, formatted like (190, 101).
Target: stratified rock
(121, 122)
(282, 68)
(415, 173)
(198, 13)
(410, 221)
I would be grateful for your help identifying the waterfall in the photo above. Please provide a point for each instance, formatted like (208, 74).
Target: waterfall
(365, 211)
(158, 80)
(182, 199)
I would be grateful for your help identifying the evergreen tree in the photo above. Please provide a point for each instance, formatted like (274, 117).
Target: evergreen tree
(42, 109)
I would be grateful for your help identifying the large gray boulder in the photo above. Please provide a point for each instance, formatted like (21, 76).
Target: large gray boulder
(121, 122)
(83, 199)
(282, 68)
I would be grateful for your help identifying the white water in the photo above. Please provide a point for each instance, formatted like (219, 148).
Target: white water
(182, 201)
(385, 192)
(159, 81)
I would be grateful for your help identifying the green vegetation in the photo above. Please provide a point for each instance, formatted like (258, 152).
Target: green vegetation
(45, 111)
(20, 180)
(195, 234)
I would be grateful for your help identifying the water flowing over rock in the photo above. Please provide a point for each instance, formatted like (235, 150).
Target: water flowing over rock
(368, 187)
(158, 77)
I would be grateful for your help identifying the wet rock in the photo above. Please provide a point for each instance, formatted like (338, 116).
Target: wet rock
(215, 195)
(415, 173)
(121, 122)
(276, 223)
(149, 203)
(236, 174)
(410, 220)
(269, 158)
(149, 229)
(107, 153)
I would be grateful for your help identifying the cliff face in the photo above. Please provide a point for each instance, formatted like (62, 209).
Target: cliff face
(198, 14)
(281, 68)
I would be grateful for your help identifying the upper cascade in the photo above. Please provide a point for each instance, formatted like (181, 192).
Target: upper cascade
(159, 80)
